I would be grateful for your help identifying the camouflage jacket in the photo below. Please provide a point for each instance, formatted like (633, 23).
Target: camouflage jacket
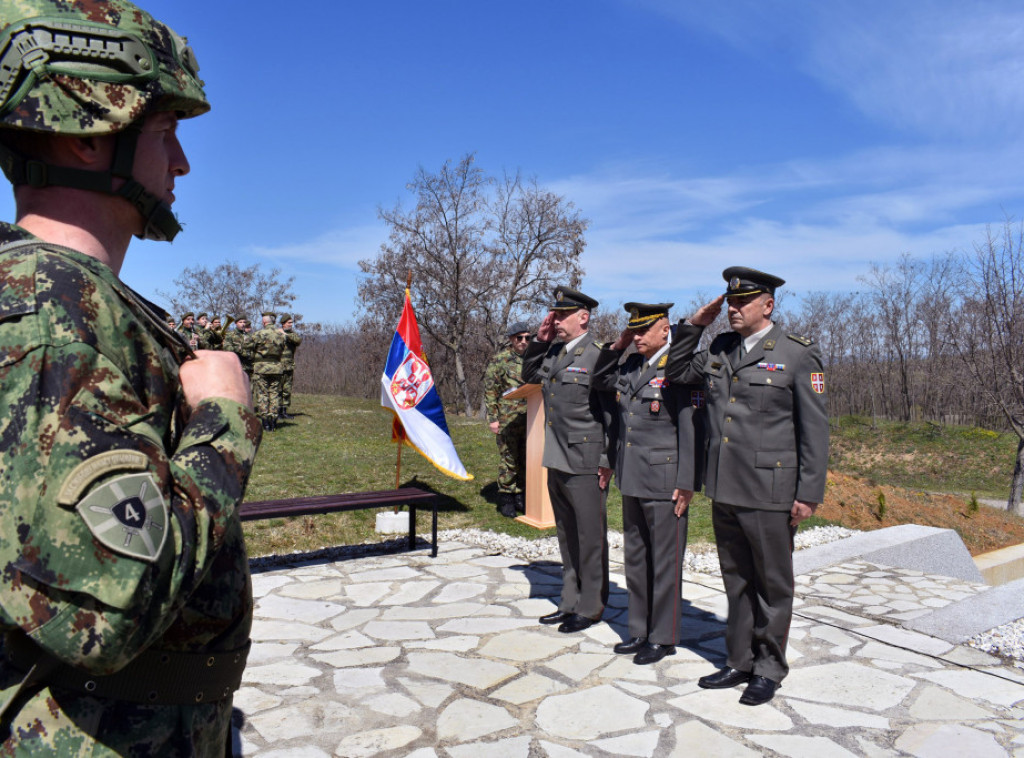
(240, 344)
(292, 342)
(191, 336)
(504, 373)
(267, 348)
(118, 508)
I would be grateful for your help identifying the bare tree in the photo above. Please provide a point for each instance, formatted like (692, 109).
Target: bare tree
(987, 332)
(232, 289)
(479, 258)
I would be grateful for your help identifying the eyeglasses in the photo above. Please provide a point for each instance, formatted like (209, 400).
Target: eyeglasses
(521, 337)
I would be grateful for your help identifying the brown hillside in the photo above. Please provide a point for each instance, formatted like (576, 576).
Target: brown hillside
(854, 503)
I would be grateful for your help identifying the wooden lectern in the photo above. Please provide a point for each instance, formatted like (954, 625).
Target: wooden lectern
(538, 504)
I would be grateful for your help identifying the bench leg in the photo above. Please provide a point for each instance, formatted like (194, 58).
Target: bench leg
(433, 530)
(412, 526)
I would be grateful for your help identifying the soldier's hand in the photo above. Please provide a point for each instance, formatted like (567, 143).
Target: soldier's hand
(801, 510)
(706, 314)
(682, 500)
(624, 339)
(604, 477)
(495, 426)
(214, 373)
(546, 330)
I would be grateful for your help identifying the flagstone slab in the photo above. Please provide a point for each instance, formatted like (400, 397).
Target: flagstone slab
(377, 741)
(483, 625)
(457, 644)
(455, 591)
(278, 631)
(837, 717)
(640, 744)
(801, 747)
(497, 561)
(458, 571)
(622, 667)
(399, 630)
(431, 693)
(284, 723)
(466, 719)
(346, 641)
(366, 594)
(591, 713)
(876, 651)
(526, 646)
(845, 683)
(978, 686)
(476, 673)
(410, 592)
(361, 657)
(396, 574)
(281, 674)
(393, 704)
(846, 619)
(723, 707)
(353, 617)
(514, 747)
(265, 652)
(697, 740)
(553, 750)
(252, 700)
(905, 638)
(321, 589)
(288, 752)
(437, 612)
(528, 688)
(357, 682)
(577, 666)
(944, 740)
(263, 584)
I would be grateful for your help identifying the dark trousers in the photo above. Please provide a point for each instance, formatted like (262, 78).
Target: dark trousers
(755, 552)
(654, 543)
(581, 523)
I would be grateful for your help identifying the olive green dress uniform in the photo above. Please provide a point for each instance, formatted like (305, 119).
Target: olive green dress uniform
(767, 446)
(574, 447)
(656, 444)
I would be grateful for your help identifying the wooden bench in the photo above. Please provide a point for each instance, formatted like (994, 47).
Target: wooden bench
(350, 501)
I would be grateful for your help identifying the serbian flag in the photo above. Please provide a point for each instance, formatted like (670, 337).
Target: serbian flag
(408, 391)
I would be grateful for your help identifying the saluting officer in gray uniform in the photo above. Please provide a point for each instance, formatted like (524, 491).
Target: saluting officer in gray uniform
(574, 447)
(767, 455)
(656, 443)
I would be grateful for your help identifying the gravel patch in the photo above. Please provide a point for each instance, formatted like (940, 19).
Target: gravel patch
(1006, 641)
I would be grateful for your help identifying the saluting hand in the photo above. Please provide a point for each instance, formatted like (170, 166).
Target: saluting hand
(706, 314)
(624, 339)
(546, 330)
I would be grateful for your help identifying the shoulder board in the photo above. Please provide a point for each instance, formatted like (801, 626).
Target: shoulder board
(600, 345)
(805, 341)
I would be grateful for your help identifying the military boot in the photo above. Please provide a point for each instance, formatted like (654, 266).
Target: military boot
(507, 504)
(520, 502)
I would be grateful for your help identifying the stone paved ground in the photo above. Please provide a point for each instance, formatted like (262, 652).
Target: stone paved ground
(407, 655)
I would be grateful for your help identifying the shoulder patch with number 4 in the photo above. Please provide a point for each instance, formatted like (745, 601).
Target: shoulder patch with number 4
(818, 382)
(128, 515)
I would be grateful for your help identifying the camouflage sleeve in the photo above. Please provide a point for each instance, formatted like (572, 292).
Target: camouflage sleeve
(294, 339)
(107, 532)
(493, 387)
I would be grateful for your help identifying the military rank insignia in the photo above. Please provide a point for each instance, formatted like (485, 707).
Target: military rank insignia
(128, 515)
(818, 382)
(663, 361)
(655, 406)
(579, 351)
(697, 398)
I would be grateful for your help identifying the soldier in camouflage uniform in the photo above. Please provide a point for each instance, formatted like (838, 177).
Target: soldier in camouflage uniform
(507, 419)
(216, 333)
(239, 342)
(125, 599)
(268, 346)
(188, 330)
(292, 342)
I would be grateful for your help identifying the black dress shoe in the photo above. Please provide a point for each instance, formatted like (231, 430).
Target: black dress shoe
(652, 652)
(760, 690)
(576, 623)
(723, 678)
(630, 646)
(555, 618)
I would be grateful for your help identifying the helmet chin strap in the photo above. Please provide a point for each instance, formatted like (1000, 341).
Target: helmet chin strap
(160, 222)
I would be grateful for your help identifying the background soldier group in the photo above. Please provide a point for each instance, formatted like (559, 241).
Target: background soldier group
(507, 419)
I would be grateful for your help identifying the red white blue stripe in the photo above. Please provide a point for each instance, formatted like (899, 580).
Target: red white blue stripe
(408, 391)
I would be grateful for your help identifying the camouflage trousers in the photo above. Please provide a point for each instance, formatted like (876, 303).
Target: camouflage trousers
(286, 388)
(512, 456)
(266, 394)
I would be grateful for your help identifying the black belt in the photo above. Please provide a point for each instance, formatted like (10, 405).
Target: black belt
(154, 677)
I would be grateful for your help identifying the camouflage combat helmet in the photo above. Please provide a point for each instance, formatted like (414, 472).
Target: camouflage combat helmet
(86, 68)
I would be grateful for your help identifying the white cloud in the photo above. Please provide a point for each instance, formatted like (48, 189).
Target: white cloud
(343, 247)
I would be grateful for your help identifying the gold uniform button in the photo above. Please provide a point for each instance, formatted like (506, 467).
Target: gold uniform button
(728, 419)
(769, 381)
(735, 378)
(725, 439)
(778, 463)
(732, 400)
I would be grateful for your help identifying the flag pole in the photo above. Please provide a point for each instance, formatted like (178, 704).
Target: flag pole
(398, 462)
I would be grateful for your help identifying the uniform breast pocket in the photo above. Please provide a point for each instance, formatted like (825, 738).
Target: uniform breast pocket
(771, 392)
(714, 381)
(573, 382)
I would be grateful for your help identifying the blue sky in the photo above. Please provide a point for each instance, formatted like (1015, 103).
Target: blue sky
(804, 138)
